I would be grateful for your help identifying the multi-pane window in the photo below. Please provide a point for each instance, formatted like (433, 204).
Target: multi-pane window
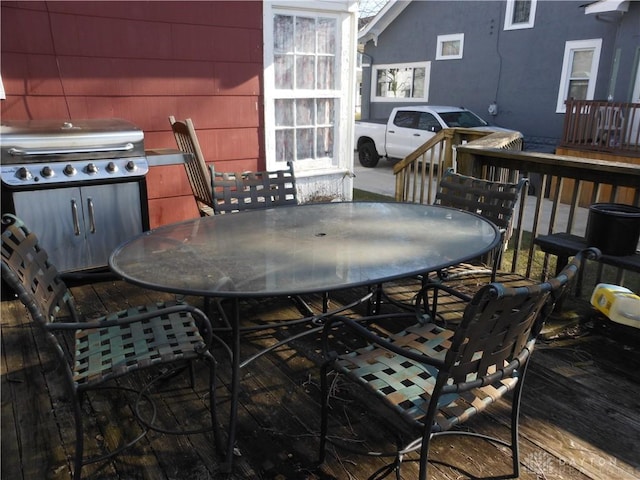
(305, 55)
(450, 46)
(520, 14)
(304, 128)
(395, 82)
(579, 70)
(580, 73)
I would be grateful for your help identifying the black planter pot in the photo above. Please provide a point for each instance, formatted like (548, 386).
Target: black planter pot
(614, 228)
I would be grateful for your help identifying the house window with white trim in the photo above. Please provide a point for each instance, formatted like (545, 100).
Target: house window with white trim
(579, 71)
(520, 14)
(304, 77)
(449, 47)
(400, 82)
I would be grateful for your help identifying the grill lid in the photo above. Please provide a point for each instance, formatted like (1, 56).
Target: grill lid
(32, 141)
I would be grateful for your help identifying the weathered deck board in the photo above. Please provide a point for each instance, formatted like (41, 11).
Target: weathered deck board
(29, 368)
(580, 411)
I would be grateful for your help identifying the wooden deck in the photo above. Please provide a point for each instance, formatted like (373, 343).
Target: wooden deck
(580, 412)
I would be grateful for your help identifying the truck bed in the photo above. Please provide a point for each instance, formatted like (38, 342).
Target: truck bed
(382, 121)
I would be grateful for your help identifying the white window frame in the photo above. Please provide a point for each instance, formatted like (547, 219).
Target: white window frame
(508, 16)
(374, 82)
(570, 48)
(442, 39)
(345, 54)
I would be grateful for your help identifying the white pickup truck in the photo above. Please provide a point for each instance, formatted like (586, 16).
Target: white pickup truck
(409, 127)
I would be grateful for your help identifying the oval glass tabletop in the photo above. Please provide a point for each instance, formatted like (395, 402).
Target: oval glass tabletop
(302, 249)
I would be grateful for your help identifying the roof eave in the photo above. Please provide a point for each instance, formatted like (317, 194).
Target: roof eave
(604, 6)
(382, 20)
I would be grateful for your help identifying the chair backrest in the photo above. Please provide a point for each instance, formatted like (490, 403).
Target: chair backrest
(194, 164)
(495, 201)
(499, 328)
(27, 270)
(234, 192)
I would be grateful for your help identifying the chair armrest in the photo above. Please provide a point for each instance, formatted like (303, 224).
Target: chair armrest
(357, 327)
(498, 375)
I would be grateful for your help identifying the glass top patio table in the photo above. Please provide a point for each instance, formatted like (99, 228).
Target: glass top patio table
(302, 249)
(293, 250)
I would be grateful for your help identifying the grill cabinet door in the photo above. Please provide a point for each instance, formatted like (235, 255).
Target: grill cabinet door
(50, 215)
(112, 214)
(80, 226)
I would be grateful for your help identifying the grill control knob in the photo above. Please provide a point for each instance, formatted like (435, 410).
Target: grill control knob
(131, 166)
(69, 170)
(92, 169)
(47, 172)
(112, 167)
(23, 173)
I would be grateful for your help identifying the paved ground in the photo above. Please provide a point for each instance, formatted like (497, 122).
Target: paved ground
(377, 180)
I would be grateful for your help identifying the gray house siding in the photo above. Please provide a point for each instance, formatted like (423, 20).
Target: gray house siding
(628, 47)
(518, 69)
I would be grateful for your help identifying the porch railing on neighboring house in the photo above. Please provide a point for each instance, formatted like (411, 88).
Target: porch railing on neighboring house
(562, 188)
(602, 126)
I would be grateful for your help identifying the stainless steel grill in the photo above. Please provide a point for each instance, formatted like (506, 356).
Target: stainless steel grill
(42, 153)
(78, 184)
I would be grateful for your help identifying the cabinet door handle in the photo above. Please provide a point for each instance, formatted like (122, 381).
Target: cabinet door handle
(92, 219)
(74, 214)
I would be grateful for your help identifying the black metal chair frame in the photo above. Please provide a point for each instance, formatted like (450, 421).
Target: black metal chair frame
(493, 200)
(239, 191)
(171, 335)
(428, 378)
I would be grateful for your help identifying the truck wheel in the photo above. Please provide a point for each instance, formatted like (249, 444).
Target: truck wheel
(368, 155)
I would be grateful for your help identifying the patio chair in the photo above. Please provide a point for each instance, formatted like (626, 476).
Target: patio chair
(235, 192)
(495, 201)
(426, 381)
(241, 191)
(194, 164)
(109, 347)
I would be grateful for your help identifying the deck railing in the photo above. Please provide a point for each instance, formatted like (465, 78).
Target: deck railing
(417, 173)
(602, 126)
(561, 190)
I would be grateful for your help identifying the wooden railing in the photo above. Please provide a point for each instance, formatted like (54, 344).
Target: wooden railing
(418, 173)
(602, 126)
(561, 190)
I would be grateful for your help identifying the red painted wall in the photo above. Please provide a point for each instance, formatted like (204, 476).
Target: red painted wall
(143, 61)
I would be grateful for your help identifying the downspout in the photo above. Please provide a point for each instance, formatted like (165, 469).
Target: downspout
(493, 107)
(368, 93)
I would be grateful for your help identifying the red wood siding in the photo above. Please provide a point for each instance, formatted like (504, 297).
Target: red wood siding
(170, 196)
(142, 61)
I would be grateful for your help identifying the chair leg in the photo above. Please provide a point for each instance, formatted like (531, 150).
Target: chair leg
(324, 412)
(192, 375)
(515, 416)
(79, 451)
(217, 438)
(424, 456)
